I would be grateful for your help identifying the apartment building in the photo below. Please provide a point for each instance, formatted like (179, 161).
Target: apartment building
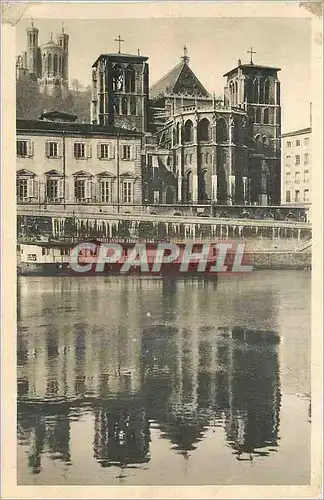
(296, 167)
(62, 161)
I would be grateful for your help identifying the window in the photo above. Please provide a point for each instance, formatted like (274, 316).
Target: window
(297, 160)
(104, 151)
(126, 152)
(258, 115)
(297, 177)
(24, 148)
(297, 142)
(52, 149)
(288, 144)
(127, 192)
(54, 189)
(266, 116)
(297, 195)
(105, 191)
(82, 189)
(204, 130)
(306, 141)
(79, 150)
(149, 160)
(22, 189)
(288, 178)
(306, 194)
(221, 130)
(306, 176)
(188, 131)
(288, 159)
(306, 158)
(288, 196)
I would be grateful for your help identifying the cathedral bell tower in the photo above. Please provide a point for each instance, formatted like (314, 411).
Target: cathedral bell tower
(256, 89)
(120, 90)
(33, 59)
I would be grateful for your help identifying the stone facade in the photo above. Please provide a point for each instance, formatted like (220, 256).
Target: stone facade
(64, 163)
(296, 167)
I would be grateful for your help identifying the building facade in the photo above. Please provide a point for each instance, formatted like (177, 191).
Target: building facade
(62, 162)
(296, 167)
(47, 63)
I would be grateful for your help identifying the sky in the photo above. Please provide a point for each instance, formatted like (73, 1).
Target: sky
(214, 46)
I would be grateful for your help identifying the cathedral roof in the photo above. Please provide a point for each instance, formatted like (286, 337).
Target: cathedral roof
(249, 66)
(179, 80)
(120, 57)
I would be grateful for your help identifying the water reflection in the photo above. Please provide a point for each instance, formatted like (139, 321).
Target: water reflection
(130, 354)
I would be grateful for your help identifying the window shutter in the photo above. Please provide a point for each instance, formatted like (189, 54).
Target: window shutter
(121, 152)
(47, 149)
(87, 189)
(111, 151)
(99, 151)
(60, 189)
(30, 188)
(59, 149)
(133, 152)
(35, 189)
(88, 150)
(30, 148)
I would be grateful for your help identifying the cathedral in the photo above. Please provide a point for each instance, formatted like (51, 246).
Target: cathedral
(196, 148)
(48, 64)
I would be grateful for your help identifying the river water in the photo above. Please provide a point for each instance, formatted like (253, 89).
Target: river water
(177, 382)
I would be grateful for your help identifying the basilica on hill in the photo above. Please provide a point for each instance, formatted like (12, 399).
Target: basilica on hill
(196, 148)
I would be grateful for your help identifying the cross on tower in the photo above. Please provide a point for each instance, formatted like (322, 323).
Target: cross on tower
(119, 40)
(251, 52)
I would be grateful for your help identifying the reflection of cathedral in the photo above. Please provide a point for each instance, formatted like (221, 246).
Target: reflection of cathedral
(196, 148)
(132, 373)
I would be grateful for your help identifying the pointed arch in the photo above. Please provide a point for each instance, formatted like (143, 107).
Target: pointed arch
(221, 130)
(130, 79)
(118, 78)
(204, 130)
(188, 131)
(55, 64)
(258, 115)
(49, 64)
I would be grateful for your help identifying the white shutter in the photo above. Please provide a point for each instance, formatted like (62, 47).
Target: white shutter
(30, 188)
(87, 189)
(35, 189)
(133, 152)
(30, 148)
(47, 149)
(60, 189)
(88, 150)
(99, 151)
(59, 149)
(121, 152)
(111, 151)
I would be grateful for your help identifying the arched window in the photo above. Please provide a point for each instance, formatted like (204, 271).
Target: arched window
(235, 94)
(266, 116)
(255, 91)
(124, 106)
(258, 115)
(49, 64)
(133, 105)
(188, 131)
(248, 90)
(203, 186)
(266, 92)
(130, 79)
(178, 133)
(221, 130)
(265, 141)
(189, 186)
(235, 131)
(116, 105)
(118, 78)
(55, 64)
(204, 130)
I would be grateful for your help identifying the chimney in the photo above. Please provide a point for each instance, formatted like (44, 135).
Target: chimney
(138, 52)
(239, 62)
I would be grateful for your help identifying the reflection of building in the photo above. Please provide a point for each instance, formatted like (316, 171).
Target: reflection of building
(134, 369)
(48, 63)
(122, 432)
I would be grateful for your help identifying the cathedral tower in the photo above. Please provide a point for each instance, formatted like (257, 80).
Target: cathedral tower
(120, 90)
(256, 89)
(32, 54)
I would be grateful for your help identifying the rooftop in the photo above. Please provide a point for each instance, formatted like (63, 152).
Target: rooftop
(301, 131)
(120, 55)
(73, 128)
(254, 66)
